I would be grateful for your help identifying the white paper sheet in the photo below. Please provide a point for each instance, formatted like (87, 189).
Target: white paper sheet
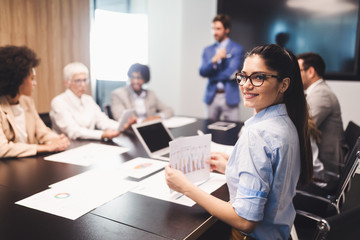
(216, 147)
(175, 122)
(189, 155)
(155, 186)
(95, 177)
(73, 202)
(141, 167)
(87, 154)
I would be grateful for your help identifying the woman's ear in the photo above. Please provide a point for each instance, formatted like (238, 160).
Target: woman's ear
(284, 85)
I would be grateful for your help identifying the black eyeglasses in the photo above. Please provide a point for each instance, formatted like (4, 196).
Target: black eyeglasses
(256, 79)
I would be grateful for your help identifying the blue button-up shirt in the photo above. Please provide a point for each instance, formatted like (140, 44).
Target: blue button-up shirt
(263, 171)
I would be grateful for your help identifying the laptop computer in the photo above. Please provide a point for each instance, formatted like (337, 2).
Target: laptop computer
(155, 138)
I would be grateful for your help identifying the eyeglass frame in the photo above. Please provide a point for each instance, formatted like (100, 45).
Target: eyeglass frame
(79, 81)
(267, 75)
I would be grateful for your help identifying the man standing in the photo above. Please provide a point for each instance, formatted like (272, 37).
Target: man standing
(324, 109)
(220, 62)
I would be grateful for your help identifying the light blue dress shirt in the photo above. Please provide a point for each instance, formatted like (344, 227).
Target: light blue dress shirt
(263, 171)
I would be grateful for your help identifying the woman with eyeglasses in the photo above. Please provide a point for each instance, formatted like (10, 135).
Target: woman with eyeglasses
(144, 101)
(271, 156)
(22, 132)
(75, 113)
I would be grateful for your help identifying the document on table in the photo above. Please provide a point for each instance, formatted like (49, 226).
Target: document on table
(189, 155)
(175, 122)
(155, 186)
(87, 154)
(77, 195)
(141, 167)
(136, 168)
(73, 201)
(216, 147)
(91, 178)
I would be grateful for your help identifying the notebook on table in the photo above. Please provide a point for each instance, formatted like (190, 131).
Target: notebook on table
(155, 138)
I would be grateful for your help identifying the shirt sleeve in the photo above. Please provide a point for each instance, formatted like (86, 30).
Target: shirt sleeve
(64, 121)
(255, 177)
(103, 122)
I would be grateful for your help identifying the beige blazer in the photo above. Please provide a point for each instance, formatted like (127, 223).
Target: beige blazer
(122, 99)
(37, 132)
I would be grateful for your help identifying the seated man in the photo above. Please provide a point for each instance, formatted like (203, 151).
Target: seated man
(75, 113)
(324, 110)
(145, 102)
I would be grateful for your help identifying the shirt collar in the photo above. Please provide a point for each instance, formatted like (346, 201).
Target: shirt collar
(311, 87)
(73, 98)
(269, 112)
(135, 95)
(223, 44)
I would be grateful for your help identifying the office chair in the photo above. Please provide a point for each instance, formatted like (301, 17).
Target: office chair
(318, 198)
(352, 132)
(107, 110)
(45, 117)
(341, 226)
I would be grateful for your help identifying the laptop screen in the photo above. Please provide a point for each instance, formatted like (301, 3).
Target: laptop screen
(155, 136)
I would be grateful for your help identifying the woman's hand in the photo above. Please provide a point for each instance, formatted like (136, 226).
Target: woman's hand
(56, 145)
(218, 161)
(110, 134)
(177, 181)
(152, 118)
(130, 122)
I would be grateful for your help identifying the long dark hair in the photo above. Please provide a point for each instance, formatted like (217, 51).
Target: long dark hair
(285, 63)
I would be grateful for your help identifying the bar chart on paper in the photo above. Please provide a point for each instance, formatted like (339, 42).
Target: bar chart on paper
(189, 155)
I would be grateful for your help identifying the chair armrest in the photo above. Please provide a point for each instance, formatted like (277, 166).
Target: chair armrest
(323, 226)
(332, 174)
(327, 200)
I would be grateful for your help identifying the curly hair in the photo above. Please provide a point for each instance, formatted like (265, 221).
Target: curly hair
(16, 64)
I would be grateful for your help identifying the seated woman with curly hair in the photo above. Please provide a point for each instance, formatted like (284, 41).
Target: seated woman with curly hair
(22, 132)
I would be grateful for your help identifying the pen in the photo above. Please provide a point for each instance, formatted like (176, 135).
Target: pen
(196, 185)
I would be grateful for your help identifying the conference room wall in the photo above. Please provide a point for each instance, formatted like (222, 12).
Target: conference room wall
(57, 30)
(175, 52)
(178, 31)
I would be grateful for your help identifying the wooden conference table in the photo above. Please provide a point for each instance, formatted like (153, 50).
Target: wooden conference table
(129, 216)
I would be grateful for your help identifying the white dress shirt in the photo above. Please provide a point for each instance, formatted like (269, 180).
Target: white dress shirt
(79, 117)
(139, 104)
(19, 116)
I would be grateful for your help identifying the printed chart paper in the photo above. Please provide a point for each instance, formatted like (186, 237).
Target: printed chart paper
(87, 154)
(189, 155)
(91, 178)
(73, 202)
(155, 186)
(141, 167)
(216, 147)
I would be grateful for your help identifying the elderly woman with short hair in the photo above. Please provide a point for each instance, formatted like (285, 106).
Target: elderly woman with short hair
(75, 113)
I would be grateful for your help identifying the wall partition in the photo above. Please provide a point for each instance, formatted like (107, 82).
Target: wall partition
(57, 30)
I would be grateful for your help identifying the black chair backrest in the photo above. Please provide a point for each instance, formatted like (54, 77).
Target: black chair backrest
(45, 117)
(352, 132)
(347, 173)
(107, 110)
(342, 226)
